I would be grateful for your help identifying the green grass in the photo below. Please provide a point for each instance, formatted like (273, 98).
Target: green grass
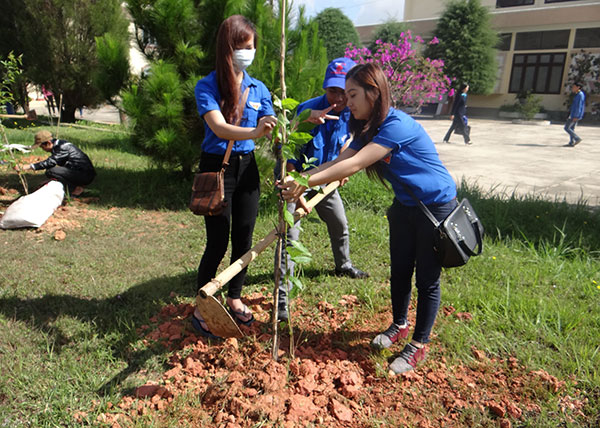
(69, 309)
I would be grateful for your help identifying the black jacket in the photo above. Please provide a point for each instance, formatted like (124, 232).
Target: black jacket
(68, 155)
(459, 108)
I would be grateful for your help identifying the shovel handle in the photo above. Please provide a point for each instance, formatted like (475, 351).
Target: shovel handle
(236, 267)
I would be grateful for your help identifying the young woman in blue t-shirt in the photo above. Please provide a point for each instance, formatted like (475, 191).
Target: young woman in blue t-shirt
(392, 146)
(217, 98)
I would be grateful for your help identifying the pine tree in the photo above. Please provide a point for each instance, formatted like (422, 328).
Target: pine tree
(58, 41)
(179, 39)
(336, 31)
(467, 45)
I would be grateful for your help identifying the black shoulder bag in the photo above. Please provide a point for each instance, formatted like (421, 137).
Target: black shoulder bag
(458, 236)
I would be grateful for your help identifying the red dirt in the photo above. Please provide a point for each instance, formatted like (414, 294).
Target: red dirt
(333, 381)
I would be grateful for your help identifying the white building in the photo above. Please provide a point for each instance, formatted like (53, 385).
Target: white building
(538, 41)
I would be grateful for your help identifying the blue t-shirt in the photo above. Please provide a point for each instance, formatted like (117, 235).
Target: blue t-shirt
(208, 98)
(578, 106)
(413, 161)
(328, 138)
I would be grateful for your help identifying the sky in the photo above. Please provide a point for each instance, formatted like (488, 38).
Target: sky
(360, 12)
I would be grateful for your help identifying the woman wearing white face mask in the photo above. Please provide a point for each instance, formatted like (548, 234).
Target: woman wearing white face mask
(218, 98)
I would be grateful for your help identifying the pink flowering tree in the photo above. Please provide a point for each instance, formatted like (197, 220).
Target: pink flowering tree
(414, 79)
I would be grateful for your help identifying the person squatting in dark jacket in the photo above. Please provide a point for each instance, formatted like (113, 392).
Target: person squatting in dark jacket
(459, 116)
(67, 163)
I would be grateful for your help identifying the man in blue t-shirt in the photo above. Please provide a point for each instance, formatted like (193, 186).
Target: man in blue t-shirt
(330, 138)
(575, 114)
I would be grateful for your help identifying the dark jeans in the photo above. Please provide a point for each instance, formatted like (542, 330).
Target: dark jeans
(411, 244)
(457, 123)
(71, 178)
(242, 191)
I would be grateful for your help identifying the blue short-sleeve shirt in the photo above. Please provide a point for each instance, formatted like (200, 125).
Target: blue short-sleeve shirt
(208, 98)
(328, 138)
(413, 160)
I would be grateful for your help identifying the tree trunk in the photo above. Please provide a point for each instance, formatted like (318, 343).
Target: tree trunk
(67, 115)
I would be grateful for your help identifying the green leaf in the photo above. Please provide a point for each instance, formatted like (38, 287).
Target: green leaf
(299, 259)
(297, 286)
(282, 120)
(288, 217)
(299, 246)
(287, 151)
(304, 114)
(290, 103)
(309, 163)
(299, 253)
(305, 127)
(300, 138)
(300, 179)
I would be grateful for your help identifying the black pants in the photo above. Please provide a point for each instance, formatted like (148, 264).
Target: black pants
(242, 191)
(411, 249)
(459, 125)
(71, 178)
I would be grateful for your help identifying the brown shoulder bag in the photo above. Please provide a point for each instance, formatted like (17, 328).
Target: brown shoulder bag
(208, 190)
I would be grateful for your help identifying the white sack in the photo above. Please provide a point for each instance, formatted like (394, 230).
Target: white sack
(34, 209)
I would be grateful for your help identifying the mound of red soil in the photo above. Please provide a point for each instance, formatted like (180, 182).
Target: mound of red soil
(334, 379)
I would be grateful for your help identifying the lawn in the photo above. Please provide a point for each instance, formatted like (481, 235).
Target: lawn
(81, 317)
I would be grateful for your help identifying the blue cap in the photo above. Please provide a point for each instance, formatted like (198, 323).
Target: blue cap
(335, 75)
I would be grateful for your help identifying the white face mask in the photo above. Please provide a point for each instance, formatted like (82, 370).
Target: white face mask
(242, 58)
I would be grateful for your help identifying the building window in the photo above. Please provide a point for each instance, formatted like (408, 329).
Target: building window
(557, 1)
(534, 40)
(511, 3)
(539, 73)
(587, 38)
(504, 40)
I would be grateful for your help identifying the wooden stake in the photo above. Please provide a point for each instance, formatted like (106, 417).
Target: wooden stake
(282, 226)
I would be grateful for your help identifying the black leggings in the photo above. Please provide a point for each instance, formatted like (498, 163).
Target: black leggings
(242, 191)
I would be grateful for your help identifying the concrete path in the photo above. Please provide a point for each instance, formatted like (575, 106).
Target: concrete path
(522, 158)
(104, 114)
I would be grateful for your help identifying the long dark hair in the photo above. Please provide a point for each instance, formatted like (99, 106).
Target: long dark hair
(234, 31)
(372, 79)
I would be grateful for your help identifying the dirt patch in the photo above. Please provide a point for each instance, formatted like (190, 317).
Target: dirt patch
(334, 380)
(74, 212)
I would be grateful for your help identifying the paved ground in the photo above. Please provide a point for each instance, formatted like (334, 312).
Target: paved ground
(105, 114)
(505, 157)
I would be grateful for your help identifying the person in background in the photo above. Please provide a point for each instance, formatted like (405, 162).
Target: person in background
(330, 137)
(392, 146)
(49, 97)
(67, 163)
(459, 116)
(575, 114)
(217, 98)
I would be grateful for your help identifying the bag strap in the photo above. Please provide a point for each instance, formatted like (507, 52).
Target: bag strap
(464, 246)
(421, 205)
(241, 107)
(475, 225)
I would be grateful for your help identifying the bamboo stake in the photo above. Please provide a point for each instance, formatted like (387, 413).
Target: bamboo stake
(282, 226)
